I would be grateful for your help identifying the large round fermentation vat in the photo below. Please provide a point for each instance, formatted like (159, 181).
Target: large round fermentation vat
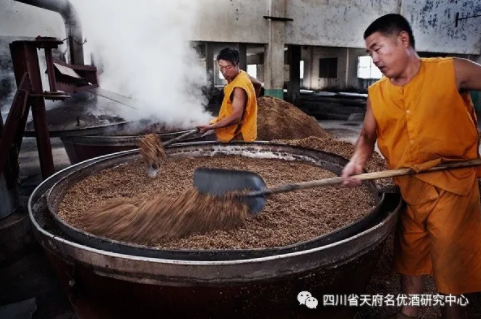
(108, 279)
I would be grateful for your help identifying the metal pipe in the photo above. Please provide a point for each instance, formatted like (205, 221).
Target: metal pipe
(72, 25)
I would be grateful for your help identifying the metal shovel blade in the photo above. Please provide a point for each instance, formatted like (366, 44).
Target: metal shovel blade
(216, 181)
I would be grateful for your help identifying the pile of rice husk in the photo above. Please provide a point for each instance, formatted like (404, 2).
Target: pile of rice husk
(278, 119)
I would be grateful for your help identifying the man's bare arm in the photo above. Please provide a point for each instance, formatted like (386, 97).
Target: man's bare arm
(468, 75)
(239, 101)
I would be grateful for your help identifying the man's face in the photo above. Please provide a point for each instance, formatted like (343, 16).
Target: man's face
(388, 52)
(228, 70)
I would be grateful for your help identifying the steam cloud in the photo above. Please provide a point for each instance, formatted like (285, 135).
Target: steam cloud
(143, 51)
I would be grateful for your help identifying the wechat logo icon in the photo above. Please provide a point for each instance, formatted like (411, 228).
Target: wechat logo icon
(305, 298)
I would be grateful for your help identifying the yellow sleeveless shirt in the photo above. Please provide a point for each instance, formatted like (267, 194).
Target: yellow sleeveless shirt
(248, 124)
(423, 123)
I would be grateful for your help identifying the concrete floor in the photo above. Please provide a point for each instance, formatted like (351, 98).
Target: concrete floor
(342, 130)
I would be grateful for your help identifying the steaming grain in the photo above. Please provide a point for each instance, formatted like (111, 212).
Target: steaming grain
(152, 150)
(165, 216)
(286, 219)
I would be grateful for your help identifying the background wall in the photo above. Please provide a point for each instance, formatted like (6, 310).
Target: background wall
(341, 23)
(323, 29)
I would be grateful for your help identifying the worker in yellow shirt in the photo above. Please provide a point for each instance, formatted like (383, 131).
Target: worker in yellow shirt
(237, 118)
(420, 113)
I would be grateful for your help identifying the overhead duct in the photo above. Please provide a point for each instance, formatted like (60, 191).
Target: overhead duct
(72, 25)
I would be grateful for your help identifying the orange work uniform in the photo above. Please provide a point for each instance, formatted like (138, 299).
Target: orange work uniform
(419, 125)
(247, 128)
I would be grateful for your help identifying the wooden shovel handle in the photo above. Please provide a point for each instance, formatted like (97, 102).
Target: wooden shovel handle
(186, 134)
(180, 137)
(365, 176)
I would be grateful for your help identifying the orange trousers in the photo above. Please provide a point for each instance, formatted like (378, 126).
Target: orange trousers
(442, 237)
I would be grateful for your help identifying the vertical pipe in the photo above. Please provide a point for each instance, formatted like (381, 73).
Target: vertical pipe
(73, 27)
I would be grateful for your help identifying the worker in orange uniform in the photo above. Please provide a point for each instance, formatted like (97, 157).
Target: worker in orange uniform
(421, 114)
(237, 118)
